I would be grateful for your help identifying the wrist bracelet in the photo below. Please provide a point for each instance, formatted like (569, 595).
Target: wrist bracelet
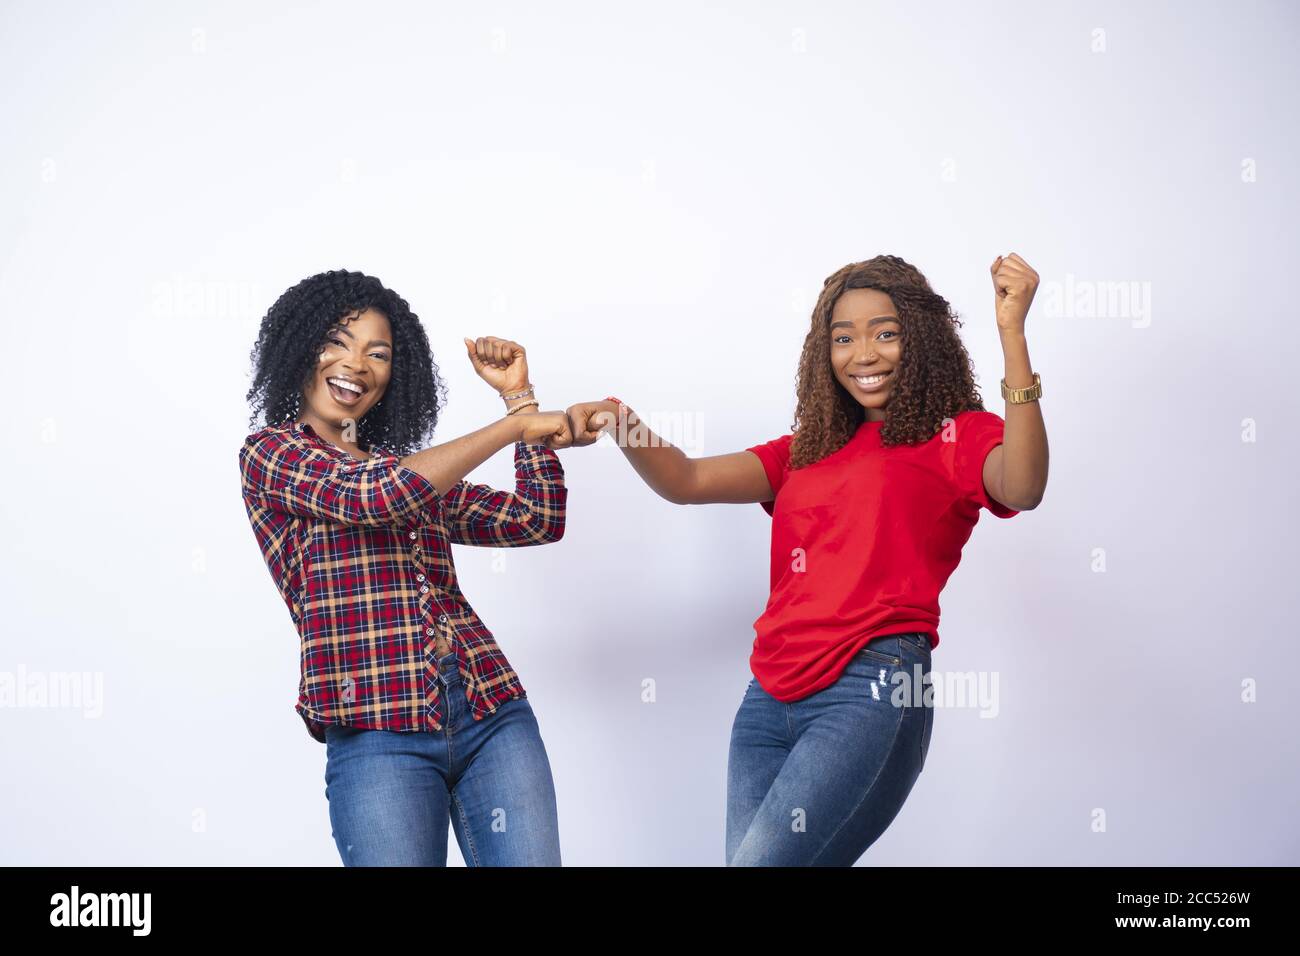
(1023, 394)
(527, 391)
(531, 401)
(622, 407)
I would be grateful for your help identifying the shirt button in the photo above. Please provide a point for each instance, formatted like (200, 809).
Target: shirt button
(419, 577)
(429, 631)
(411, 535)
(442, 619)
(424, 589)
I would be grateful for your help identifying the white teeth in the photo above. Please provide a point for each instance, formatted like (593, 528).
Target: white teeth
(870, 379)
(342, 383)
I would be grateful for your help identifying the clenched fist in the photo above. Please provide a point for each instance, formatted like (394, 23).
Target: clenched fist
(1014, 285)
(499, 362)
(588, 420)
(545, 428)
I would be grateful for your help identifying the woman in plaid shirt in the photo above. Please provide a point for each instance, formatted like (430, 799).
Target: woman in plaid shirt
(422, 716)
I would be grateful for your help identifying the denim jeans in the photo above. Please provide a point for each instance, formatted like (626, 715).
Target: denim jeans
(390, 793)
(816, 781)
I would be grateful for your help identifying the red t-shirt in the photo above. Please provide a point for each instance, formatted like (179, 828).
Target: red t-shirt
(863, 541)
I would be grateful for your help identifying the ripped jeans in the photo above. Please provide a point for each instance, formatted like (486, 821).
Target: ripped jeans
(816, 781)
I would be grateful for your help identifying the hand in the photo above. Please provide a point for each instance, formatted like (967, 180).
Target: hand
(1014, 285)
(588, 420)
(499, 362)
(545, 428)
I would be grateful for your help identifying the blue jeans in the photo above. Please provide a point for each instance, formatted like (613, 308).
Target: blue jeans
(815, 782)
(390, 793)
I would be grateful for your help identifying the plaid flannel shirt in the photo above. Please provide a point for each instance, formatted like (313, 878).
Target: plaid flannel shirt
(361, 554)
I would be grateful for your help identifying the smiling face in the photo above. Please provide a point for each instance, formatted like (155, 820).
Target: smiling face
(353, 371)
(866, 347)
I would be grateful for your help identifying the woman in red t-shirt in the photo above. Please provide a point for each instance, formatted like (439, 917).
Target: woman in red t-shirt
(872, 496)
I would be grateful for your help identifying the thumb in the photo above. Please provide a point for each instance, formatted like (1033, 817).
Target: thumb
(473, 356)
(592, 424)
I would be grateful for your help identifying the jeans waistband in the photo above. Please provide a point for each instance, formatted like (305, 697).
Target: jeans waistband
(448, 668)
(918, 639)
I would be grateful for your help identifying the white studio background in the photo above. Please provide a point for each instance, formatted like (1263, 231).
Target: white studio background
(649, 199)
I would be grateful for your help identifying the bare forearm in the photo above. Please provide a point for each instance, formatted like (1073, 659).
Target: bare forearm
(663, 466)
(1024, 441)
(444, 465)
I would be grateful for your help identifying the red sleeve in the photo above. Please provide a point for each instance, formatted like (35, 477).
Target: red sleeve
(975, 435)
(775, 456)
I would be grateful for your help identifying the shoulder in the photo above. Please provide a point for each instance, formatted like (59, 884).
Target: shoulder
(964, 439)
(979, 419)
(973, 428)
(272, 436)
(774, 456)
(777, 446)
(275, 447)
(978, 433)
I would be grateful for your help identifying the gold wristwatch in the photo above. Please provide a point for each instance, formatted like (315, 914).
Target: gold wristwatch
(1028, 393)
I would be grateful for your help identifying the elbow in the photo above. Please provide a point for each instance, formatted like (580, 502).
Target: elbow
(1026, 502)
(378, 514)
(551, 534)
(553, 520)
(544, 516)
(547, 530)
(679, 493)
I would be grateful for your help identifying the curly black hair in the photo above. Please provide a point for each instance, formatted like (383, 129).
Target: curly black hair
(935, 377)
(289, 344)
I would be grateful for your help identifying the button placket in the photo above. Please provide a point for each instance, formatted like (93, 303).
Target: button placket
(422, 579)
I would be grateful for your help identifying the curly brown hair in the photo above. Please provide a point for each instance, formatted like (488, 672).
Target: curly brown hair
(934, 380)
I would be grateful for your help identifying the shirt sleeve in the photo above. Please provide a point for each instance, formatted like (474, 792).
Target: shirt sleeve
(283, 472)
(775, 456)
(533, 514)
(977, 434)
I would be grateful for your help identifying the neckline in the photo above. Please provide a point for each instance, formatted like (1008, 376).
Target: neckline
(320, 439)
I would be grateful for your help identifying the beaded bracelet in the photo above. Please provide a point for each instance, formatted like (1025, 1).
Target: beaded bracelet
(622, 407)
(531, 401)
(527, 391)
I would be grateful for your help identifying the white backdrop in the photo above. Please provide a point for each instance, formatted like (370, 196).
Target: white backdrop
(649, 200)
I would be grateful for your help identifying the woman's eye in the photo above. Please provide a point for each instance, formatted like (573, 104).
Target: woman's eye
(335, 341)
(379, 355)
(841, 339)
(887, 332)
